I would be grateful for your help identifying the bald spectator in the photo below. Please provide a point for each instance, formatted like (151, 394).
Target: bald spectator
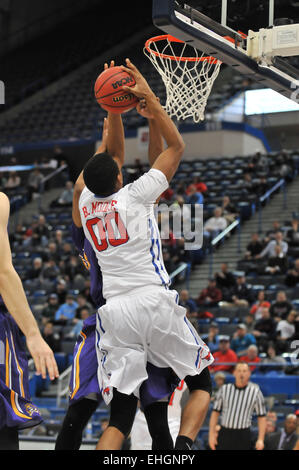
(251, 356)
(285, 438)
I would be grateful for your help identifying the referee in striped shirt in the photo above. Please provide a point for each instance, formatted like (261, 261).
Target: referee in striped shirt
(236, 403)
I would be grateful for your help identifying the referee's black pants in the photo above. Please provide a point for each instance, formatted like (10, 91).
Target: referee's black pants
(234, 439)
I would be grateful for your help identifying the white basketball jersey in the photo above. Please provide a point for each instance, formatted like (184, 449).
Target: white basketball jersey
(124, 234)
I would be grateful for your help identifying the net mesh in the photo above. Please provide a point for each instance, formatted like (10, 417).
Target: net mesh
(187, 74)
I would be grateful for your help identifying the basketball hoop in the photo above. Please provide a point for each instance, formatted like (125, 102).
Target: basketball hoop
(187, 74)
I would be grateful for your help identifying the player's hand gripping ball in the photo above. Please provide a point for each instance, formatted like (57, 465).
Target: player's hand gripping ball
(109, 93)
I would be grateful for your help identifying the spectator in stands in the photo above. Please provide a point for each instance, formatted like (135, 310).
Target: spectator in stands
(270, 426)
(13, 181)
(254, 248)
(181, 216)
(51, 337)
(240, 294)
(215, 224)
(67, 251)
(67, 311)
(188, 303)
(18, 236)
(251, 356)
(57, 237)
(285, 438)
(50, 270)
(270, 250)
(276, 264)
(219, 380)
(168, 261)
(292, 277)
(225, 281)
(224, 354)
(247, 184)
(74, 268)
(179, 254)
(249, 322)
(34, 183)
(66, 197)
(212, 337)
(61, 290)
(200, 186)
(242, 340)
(272, 358)
(292, 235)
(84, 313)
(167, 195)
(286, 331)
(229, 211)
(264, 329)
(271, 234)
(210, 296)
(82, 303)
(262, 186)
(36, 272)
(51, 252)
(194, 196)
(259, 304)
(40, 232)
(48, 312)
(86, 291)
(280, 309)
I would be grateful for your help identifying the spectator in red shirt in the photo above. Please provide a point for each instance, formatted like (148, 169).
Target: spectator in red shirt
(251, 356)
(200, 186)
(210, 296)
(257, 307)
(224, 354)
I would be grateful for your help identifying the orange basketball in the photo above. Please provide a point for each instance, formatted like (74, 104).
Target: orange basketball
(108, 90)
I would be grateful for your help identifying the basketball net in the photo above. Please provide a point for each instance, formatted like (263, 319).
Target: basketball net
(187, 74)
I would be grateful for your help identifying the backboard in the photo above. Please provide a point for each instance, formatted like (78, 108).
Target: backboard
(229, 46)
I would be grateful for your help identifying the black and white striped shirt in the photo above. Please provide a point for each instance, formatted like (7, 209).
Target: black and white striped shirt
(237, 405)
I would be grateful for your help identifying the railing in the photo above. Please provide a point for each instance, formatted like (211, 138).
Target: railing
(265, 197)
(183, 267)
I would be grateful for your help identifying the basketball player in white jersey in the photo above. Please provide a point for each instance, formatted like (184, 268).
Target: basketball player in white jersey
(141, 322)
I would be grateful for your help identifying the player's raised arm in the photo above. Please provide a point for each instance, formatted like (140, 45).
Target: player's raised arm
(168, 161)
(14, 297)
(155, 143)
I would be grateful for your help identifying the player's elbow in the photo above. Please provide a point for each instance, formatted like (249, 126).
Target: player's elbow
(180, 148)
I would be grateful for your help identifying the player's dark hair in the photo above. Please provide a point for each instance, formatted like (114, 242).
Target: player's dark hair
(100, 174)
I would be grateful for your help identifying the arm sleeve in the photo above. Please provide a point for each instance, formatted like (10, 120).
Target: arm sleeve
(149, 186)
(78, 236)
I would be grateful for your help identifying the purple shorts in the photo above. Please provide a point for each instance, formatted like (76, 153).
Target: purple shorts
(16, 408)
(84, 378)
(160, 384)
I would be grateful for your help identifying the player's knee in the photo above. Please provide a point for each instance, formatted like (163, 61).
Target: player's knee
(200, 381)
(123, 410)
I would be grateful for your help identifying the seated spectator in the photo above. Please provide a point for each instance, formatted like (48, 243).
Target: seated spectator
(247, 184)
(37, 269)
(270, 250)
(18, 236)
(276, 264)
(50, 270)
(52, 252)
(73, 268)
(240, 294)
(265, 329)
(224, 354)
(292, 235)
(272, 358)
(200, 186)
(280, 309)
(61, 290)
(225, 281)
(34, 182)
(285, 438)
(40, 232)
(194, 196)
(215, 224)
(249, 322)
(48, 312)
(292, 277)
(210, 296)
(13, 181)
(52, 338)
(261, 302)
(229, 211)
(67, 311)
(67, 251)
(286, 331)
(242, 340)
(251, 356)
(271, 234)
(188, 303)
(219, 379)
(66, 197)
(212, 337)
(270, 426)
(84, 313)
(82, 303)
(254, 248)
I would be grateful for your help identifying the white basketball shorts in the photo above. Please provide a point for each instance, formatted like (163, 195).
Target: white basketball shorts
(146, 325)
